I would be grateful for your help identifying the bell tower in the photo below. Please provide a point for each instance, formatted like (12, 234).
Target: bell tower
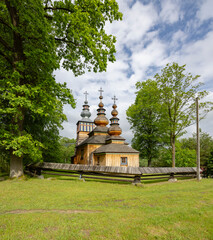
(85, 125)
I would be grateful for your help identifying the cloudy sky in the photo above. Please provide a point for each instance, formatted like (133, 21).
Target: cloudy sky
(152, 34)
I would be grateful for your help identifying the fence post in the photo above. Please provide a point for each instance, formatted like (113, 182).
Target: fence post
(81, 177)
(137, 180)
(172, 178)
(198, 140)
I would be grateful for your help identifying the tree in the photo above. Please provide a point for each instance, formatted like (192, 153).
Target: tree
(35, 36)
(145, 117)
(67, 148)
(184, 157)
(206, 146)
(177, 93)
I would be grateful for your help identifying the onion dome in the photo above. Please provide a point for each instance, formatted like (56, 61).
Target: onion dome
(85, 114)
(101, 120)
(114, 129)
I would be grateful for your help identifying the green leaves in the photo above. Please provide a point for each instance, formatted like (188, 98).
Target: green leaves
(178, 92)
(35, 38)
(163, 108)
(78, 29)
(145, 117)
(22, 145)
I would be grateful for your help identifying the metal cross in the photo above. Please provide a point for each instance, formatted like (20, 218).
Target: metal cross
(86, 93)
(114, 98)
(101, 91)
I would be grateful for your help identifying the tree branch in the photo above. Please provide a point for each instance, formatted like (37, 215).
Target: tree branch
(58, 8)
(48, 16)
(6, 58)
(6, 24)
(5, 44)
(67, 41)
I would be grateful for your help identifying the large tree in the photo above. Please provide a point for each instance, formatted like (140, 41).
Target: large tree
(178, 90)
(145, 117)
(36, 37)
(163, 108)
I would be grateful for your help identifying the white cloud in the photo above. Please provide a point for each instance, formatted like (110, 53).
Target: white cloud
(137, 21)
(178, 38)
(152, 55)
(139, 49)
(170, 11)
(198, 57)
(206, 10)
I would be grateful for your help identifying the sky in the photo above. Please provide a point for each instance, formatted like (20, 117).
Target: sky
(151, 34)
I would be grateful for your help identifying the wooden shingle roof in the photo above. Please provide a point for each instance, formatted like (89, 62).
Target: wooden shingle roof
(115, 148)
(95, 139)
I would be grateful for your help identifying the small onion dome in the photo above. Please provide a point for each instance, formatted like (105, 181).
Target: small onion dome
(114, 113)
(101, 105)
(85, 113)
(114, 105)
(101, 120)
(114, 126)
(114, 130)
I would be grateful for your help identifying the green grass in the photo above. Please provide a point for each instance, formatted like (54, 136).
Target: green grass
(72, 209)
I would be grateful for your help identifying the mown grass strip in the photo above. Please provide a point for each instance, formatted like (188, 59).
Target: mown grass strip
(72, 209)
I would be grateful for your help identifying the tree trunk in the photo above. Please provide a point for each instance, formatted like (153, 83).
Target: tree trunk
(16, 163)
(173, 151)
(16, 166)
(149, 159)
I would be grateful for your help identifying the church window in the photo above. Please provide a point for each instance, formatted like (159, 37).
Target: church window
(124, 161)
(98, 161)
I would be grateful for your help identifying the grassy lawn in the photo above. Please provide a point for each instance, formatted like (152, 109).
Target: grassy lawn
(72, 209)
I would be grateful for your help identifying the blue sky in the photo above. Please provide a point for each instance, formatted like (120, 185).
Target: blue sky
(152, 34)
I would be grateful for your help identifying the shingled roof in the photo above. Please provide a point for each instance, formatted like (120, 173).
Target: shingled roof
(115, 148)
(96, 139)
(115, 138)
(101, 129)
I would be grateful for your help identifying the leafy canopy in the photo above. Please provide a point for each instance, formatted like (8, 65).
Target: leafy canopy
(145, 117)
(36, 38)
(178, 91)
(164, 107)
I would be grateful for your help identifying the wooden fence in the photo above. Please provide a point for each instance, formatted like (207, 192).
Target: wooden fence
(124, 174)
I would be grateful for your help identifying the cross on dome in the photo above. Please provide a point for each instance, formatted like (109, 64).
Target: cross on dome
(114, 98)
(86, 93)
(101, 91)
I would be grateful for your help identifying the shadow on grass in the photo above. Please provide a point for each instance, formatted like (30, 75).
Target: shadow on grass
(4, 176)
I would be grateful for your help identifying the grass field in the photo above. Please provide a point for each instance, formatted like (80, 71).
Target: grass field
(72, 209)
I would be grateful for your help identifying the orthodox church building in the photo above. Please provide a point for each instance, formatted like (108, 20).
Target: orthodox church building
(96, 144)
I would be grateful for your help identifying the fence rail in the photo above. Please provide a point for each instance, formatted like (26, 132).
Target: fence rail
(125, 174)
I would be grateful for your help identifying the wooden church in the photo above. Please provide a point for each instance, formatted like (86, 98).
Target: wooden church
(96, 144)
